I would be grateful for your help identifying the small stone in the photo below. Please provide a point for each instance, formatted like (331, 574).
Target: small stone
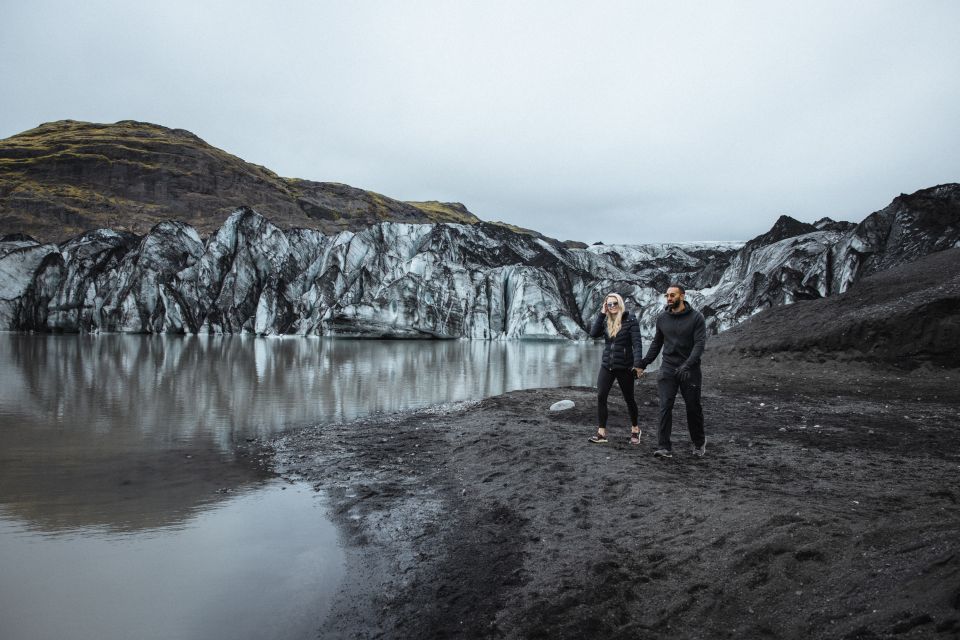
(562, 405)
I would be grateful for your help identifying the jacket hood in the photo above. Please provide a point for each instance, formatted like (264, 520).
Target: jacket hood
(686, 309)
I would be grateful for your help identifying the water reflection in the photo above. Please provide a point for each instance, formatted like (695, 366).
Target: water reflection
(172, 389)
(127, 511)
(129, 431)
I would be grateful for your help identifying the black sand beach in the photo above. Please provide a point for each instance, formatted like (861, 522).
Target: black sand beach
(826, 507)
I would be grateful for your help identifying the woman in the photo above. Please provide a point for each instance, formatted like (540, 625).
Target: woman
(621, 361)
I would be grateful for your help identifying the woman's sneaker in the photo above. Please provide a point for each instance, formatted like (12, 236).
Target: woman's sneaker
(598, 438)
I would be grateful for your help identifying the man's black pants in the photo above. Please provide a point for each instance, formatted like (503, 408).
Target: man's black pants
(667, 386)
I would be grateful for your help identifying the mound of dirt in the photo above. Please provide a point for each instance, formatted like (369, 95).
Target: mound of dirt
(904, 316)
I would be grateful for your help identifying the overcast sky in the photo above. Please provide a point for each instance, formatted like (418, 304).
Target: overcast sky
(612, 121)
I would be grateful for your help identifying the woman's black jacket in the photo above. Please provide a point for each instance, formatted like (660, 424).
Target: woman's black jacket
(624, 350)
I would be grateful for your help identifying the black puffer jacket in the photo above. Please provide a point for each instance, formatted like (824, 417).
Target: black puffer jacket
(624, 350)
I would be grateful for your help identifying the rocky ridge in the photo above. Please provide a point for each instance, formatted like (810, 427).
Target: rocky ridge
(796, 262)
(443, 280)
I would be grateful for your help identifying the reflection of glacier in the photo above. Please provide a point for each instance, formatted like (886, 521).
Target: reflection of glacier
(170, 390)
(132, 431)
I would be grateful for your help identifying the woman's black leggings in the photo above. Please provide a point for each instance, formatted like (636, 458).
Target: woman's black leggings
(624, 378)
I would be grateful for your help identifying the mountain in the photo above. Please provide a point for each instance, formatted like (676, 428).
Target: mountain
(796, 262)
(178, 236)
(903, 316)
(443, 280)
(65, 178)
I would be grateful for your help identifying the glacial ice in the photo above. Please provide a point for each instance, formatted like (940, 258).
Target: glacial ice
(404, 280)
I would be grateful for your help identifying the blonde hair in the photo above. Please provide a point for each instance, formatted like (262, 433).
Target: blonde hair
(614, 321)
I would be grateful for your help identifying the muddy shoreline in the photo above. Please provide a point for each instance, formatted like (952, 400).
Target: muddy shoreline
(826, 507)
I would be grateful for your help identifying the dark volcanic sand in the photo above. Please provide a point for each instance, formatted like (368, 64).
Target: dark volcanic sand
(827, 507)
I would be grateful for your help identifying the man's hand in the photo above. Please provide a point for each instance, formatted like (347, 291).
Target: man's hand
(639, 371)
(683, 374)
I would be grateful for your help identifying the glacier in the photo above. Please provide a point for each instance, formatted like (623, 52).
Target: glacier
(441, 280)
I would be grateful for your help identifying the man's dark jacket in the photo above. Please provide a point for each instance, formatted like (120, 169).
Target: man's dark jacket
(682, 335)
(624, 350)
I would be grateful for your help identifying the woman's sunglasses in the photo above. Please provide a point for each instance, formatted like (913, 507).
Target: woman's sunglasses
(613, 304)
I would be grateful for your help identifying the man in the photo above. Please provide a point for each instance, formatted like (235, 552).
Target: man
(682, 333)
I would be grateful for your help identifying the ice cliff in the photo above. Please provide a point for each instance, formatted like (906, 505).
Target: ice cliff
(442, 280)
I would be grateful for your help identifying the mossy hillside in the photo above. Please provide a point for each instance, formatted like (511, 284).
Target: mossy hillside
(69, 175)
(138, 145)
(446, 212)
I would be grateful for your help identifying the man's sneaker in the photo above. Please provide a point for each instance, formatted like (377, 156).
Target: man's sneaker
(699, 451)
(663, 453)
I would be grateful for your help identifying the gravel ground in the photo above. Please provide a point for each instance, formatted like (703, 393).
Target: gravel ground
(826, 507)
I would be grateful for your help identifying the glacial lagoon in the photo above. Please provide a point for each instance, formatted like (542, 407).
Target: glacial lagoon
(126, 509)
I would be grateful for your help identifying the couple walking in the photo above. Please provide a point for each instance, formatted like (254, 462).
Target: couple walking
(681, 334)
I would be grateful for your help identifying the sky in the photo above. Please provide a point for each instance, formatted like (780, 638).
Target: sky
(595, 121)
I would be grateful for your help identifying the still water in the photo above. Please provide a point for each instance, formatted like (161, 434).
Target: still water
(126, 509)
